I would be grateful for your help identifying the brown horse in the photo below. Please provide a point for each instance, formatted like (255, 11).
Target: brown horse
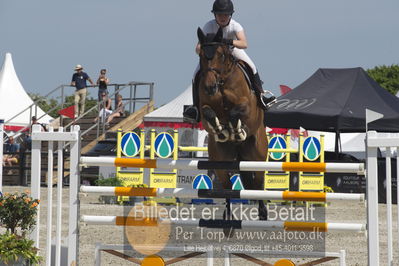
(230, 113)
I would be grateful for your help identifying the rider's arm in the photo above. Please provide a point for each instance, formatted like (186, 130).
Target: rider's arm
(241, 41)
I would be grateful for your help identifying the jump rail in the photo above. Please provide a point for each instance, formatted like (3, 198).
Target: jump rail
(171, 164)
(234, 194)
(219, 223)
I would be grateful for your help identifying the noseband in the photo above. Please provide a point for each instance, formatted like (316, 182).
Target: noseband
(209, 49)
(217, 72)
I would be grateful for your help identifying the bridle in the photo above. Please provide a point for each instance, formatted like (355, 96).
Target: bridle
(216, 71)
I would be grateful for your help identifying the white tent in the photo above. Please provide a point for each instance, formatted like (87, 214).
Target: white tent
(170, 116)
(172, 111)
(14, 99)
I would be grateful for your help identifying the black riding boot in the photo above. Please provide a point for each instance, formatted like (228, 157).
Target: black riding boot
(191, 113)
(266, 102)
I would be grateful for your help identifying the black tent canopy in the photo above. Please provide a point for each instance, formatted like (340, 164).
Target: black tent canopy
(335, 100)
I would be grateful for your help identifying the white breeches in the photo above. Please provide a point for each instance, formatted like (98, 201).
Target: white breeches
(239, 54)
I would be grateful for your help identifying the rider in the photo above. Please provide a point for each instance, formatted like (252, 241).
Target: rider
(233, 35)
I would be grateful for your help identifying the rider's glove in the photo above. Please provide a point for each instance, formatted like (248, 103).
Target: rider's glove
(227, 41)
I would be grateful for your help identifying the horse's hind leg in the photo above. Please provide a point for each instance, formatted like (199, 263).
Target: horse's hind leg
(254, 180)
(221, 134)
(259, 184)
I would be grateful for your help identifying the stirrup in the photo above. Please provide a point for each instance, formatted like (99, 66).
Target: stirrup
(267, 102)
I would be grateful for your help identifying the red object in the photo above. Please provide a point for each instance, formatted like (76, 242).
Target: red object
(68, 112)
(173, 125)
(15, 128)
(285, 89)
(277, 130)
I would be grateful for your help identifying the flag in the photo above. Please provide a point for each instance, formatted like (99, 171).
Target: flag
(68, 112)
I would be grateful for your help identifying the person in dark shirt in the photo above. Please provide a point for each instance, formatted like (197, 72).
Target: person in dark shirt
(11, 146)
(102, 83)
(79, 82)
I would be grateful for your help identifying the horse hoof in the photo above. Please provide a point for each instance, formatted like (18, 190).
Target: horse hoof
(221, 138)
(262, 215)
(240, 135)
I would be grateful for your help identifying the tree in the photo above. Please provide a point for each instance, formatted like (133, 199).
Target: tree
(386, 76)
(48, 104)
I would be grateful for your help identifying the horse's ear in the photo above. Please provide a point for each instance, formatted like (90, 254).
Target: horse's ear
(219, 35)
(201, 35)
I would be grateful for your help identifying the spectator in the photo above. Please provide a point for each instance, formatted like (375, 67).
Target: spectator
(9, 161)
(105, 108)
(102, 83)
(27, 142)
(119, 109)
(11, 146)
(79, 82)
(35, 122)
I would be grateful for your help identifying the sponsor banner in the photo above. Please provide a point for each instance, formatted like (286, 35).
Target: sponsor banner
(131, 179)
(311, 182)
(163, 180)
(277, 181)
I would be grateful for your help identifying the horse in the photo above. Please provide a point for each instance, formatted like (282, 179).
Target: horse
(231, 114)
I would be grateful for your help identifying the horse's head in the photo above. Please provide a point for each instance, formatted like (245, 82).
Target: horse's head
(214, 60)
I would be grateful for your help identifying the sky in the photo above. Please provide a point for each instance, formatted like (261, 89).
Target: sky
(154, 40)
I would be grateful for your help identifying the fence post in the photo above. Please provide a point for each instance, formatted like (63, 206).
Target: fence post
(50, 168)
(372, 203)
(74, 182)
(36, 179)
(60, 175)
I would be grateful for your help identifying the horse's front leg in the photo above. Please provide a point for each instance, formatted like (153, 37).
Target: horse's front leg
(238, 130)
(221, 134)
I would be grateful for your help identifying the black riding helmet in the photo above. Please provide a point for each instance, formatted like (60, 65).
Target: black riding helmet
(223, 7)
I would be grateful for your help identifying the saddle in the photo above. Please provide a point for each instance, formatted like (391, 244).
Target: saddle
(248, 73)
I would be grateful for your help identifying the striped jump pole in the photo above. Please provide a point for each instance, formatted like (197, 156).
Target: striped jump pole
(234, 194)
(219, 223)
(170, 164)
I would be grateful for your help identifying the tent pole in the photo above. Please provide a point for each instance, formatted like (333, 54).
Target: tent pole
(337, 143)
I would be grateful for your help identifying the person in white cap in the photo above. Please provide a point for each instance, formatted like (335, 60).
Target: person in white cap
(79, 82)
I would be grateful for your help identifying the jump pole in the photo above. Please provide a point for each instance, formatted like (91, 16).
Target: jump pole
(212, 193)
(220, 223)
(170, 164)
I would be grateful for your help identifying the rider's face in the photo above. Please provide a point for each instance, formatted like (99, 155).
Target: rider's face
(222, 19)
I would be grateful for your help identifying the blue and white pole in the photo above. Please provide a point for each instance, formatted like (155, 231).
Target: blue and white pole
(1, 154)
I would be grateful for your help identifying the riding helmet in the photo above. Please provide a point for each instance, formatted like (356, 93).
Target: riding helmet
(223, 7)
